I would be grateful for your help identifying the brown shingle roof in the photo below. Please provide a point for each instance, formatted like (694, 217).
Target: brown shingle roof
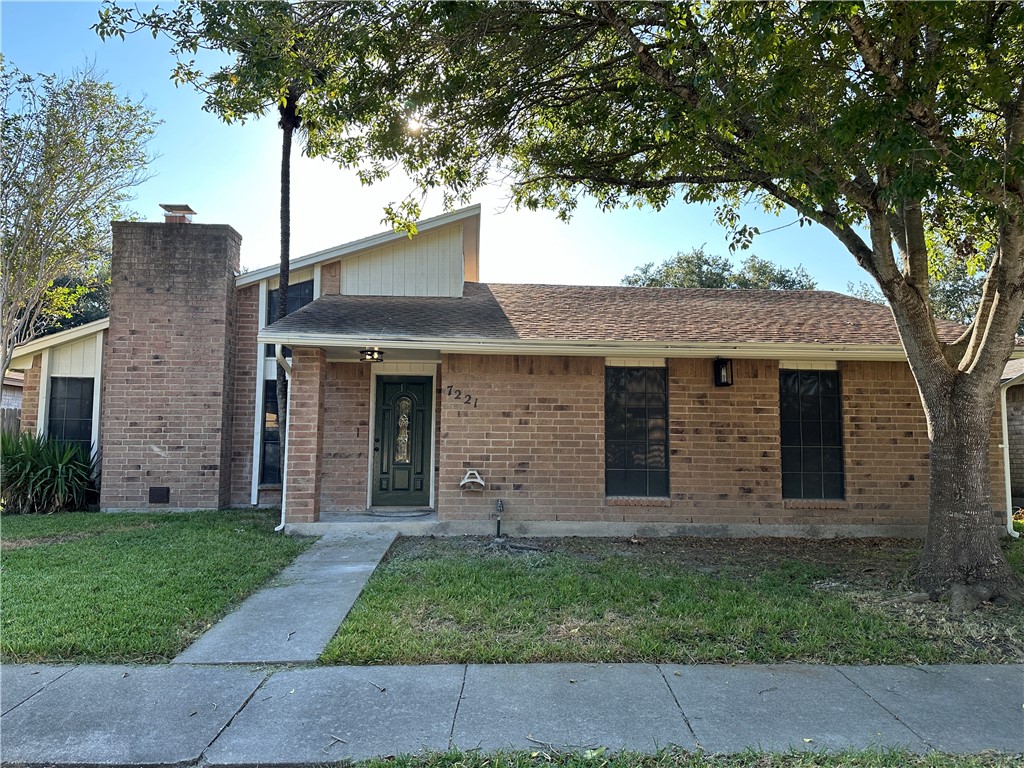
(570, 313)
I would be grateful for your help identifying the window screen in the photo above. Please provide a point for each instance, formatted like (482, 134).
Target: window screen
(270, 468)
(299, 295)
(636, 432)
(812, 435)
(70, 413)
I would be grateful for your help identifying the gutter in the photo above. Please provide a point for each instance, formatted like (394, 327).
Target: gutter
(1006, 454)
(283, 362)
(594, 348)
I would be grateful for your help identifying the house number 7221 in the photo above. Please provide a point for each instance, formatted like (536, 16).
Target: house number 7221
(457, 394)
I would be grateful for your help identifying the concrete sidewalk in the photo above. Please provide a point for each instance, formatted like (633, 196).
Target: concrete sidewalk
(237, 715)
(291, 620)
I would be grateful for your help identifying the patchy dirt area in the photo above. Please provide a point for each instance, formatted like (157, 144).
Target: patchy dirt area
(875, 574)
(872, 562)
(40, 541)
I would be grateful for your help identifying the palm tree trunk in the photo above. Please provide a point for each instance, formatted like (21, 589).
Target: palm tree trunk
(289, 122)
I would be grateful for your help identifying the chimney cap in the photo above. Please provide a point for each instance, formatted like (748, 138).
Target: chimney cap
(178, 209)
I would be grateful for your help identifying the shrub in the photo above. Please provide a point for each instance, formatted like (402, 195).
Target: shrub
(43, 476)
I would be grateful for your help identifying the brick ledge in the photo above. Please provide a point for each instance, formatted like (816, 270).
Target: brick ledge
(815, 504)
(637, 501)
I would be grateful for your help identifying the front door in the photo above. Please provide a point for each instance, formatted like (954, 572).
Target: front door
(401, 442)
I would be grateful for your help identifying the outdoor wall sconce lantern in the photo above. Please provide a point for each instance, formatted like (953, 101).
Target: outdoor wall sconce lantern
(723, 372)
(371, 356)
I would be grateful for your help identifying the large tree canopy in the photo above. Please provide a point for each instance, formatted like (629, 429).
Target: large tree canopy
(697, 268)
(281, 56)
(895, 126)
(72, 151)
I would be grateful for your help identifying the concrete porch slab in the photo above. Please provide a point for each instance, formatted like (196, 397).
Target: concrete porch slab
(292, 619)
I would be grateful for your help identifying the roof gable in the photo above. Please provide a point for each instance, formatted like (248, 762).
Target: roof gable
(468, 217)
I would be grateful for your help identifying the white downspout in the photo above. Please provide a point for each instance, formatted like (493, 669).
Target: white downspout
(283, 362)
(1006, 461)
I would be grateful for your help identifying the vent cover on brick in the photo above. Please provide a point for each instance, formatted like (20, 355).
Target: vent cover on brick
(159, 494)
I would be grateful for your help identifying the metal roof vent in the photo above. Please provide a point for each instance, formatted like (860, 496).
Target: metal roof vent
(177, 213)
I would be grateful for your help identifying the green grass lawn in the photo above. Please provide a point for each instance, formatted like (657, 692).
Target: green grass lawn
(128, 587)
(672, 758)
(679, 600)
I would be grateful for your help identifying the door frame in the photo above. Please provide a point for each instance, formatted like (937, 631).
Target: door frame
(422, 370)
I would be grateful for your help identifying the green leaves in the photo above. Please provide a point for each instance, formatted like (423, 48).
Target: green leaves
(73, 151)
(43, 476)
(699, 269)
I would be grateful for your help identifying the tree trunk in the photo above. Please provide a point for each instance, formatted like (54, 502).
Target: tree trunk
(288, 123)
(962, 545)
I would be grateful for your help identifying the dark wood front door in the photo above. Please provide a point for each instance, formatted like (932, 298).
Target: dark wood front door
(401, 442)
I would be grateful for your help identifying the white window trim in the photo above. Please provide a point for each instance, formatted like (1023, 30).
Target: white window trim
(44, 394)
(97, 393)
(257, 432)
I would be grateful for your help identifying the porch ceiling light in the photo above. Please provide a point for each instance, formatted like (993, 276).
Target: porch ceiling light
(723, 372)
(371, 356)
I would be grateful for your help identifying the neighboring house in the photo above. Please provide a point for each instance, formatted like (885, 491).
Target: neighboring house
(1013, 400)
(581, 409)
(10, 401)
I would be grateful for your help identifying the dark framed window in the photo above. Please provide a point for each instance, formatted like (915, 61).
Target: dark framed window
(812, 435)
(635, 432)
(270, 440)
(299, 295)
(69, 417)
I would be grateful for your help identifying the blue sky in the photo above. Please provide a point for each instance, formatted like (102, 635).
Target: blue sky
(229, 175)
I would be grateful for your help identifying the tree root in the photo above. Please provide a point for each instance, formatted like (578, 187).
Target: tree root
(964, 598)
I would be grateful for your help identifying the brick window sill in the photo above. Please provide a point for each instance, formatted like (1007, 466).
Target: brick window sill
(637, 501)
(815, 504)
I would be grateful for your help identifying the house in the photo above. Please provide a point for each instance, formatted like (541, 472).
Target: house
(1012, 397)
(10, 401)
(571, 409)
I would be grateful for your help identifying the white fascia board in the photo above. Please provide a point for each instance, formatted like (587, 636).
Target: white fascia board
(23, 355)
(750, 350)
(373, 241)
(1013, 382)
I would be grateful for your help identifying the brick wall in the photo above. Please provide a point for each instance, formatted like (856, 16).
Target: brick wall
(346, 437)
(535, 436)
(169, 364)
(723, 445)
(1015, 427)
(330, 279)
(246, 368)
(305, 435)
(885, 444)
(30, 396)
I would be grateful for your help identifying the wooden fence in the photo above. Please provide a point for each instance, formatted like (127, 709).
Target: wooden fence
(10, 419)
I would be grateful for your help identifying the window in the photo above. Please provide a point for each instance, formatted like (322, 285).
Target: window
(270, 467)
(635, 432)
(299, 295)
(812, 435)
(70, 414)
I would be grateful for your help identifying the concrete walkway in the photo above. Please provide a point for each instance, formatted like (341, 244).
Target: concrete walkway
(232, 715)
(292, 619)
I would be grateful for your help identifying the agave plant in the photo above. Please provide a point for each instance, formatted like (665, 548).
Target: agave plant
(43, 476)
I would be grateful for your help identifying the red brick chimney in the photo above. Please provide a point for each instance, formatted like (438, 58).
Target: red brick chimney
(167, 384)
